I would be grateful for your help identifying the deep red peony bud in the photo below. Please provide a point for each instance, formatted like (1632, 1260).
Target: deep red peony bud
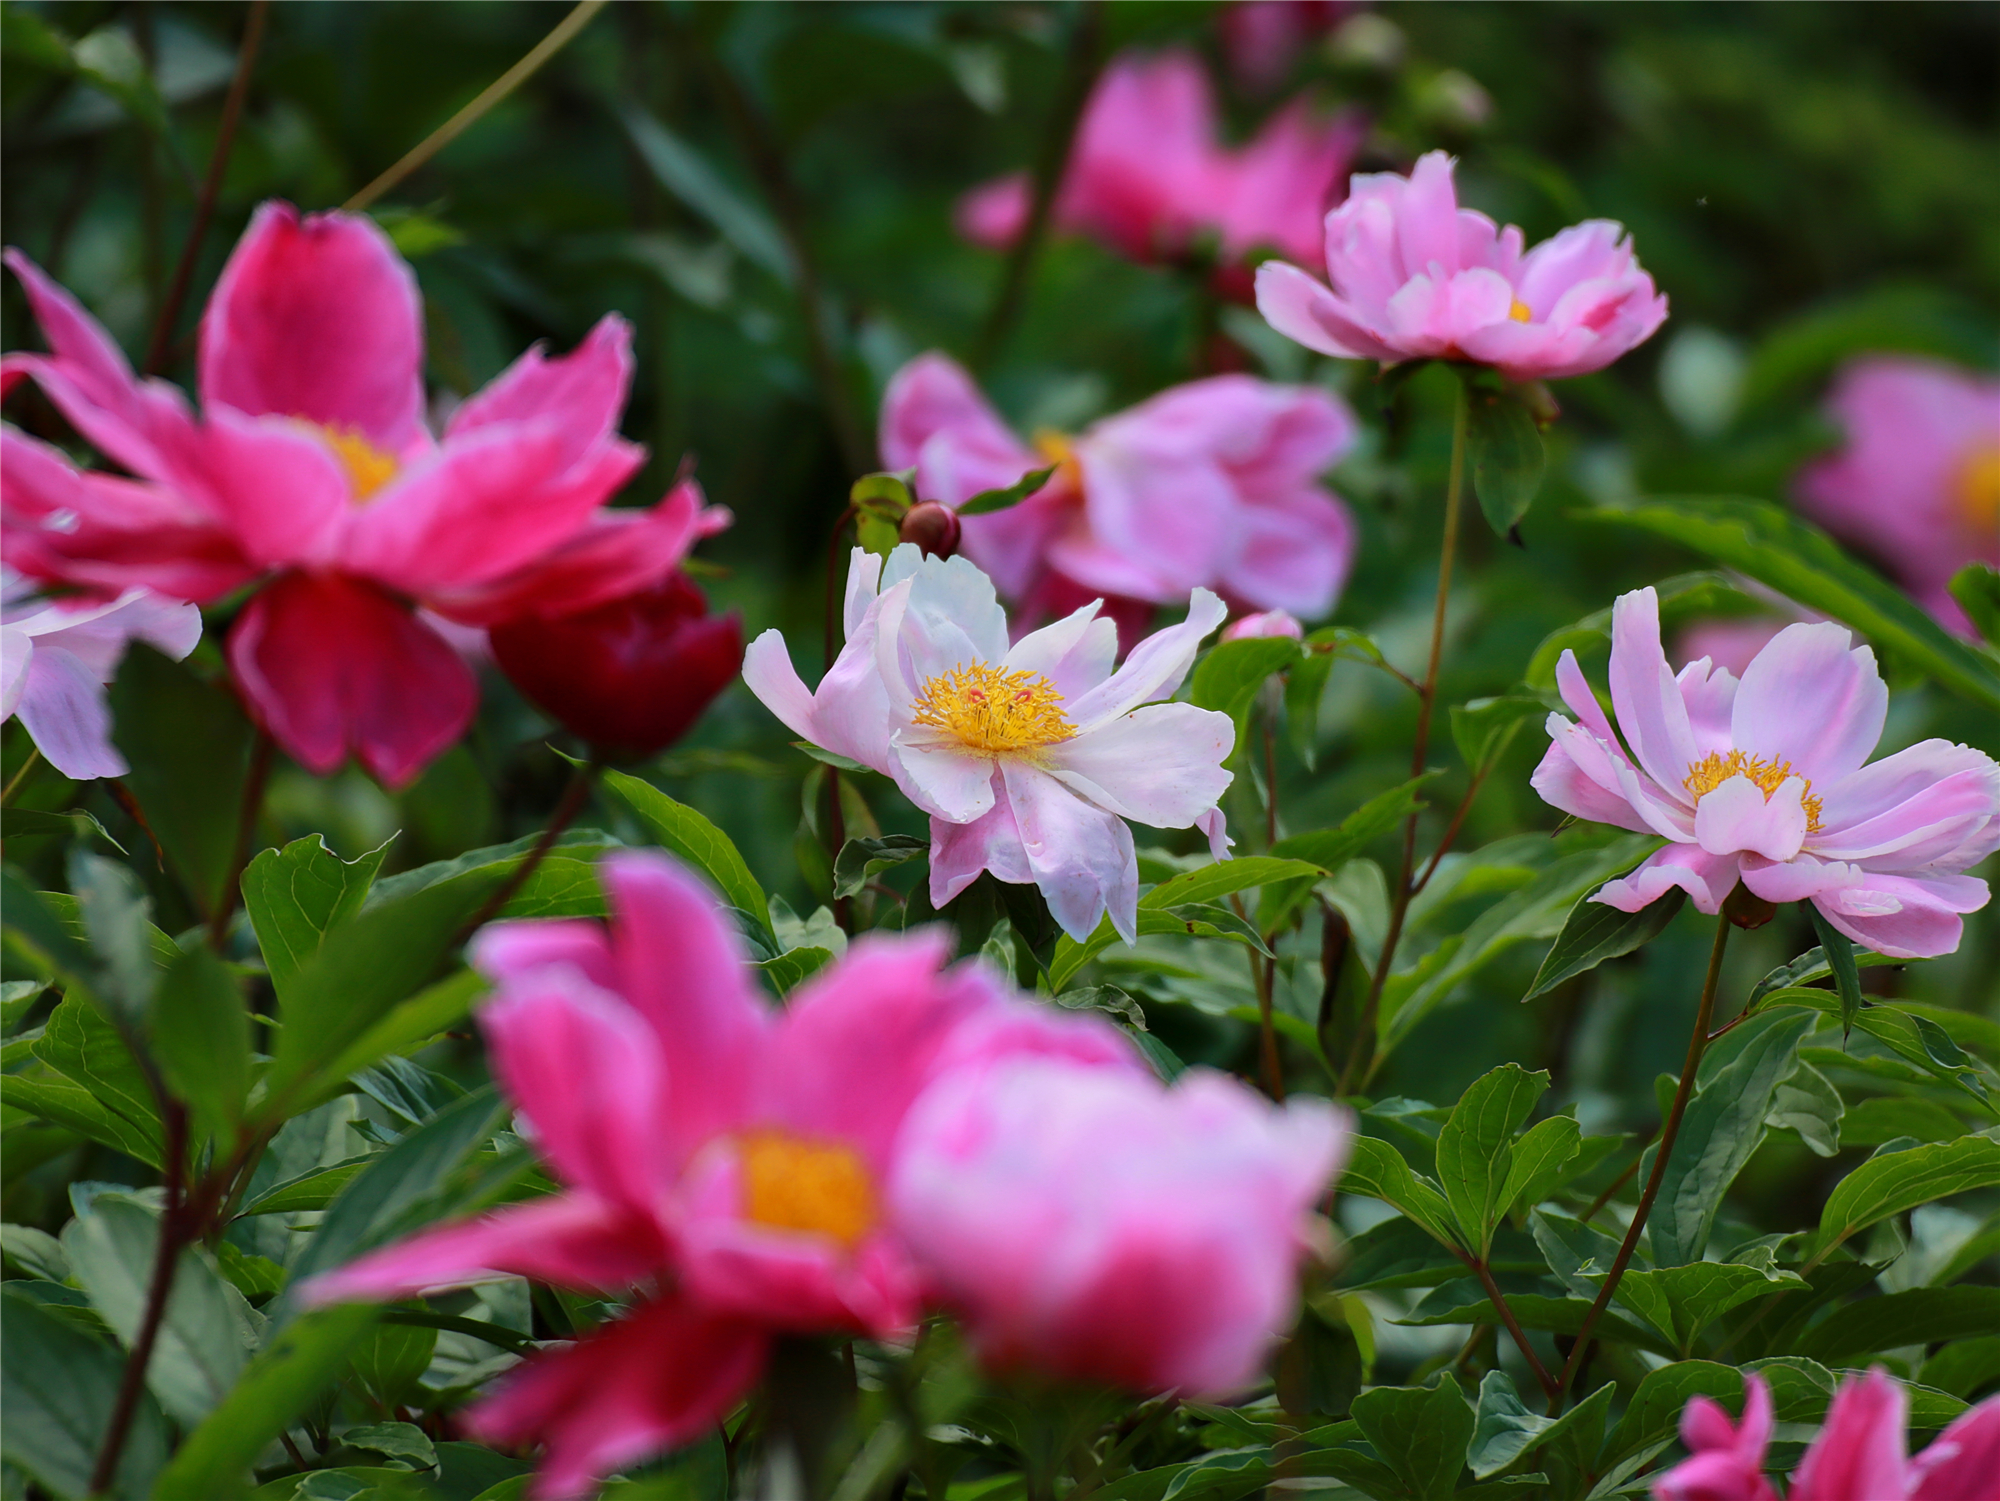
(629, 676)
(933, 527)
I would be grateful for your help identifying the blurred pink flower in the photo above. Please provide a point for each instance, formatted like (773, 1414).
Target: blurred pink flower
(1732, 644)
(1417, 277)
(1028, 757)
(1100, 1226)
(1763, 781)
(1148, 176)
(1209, 485)
(1262, 37)
(1269, 623)
(57, 655)
(731, 1158)
(311, 475)
(1917, 481)
(1859, 1455)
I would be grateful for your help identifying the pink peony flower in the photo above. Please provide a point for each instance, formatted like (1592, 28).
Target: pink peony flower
(311, 476)
(56, 655)
(1148, 176)
(1209, 485)
(1764, 781)
(1857, 1456)
(1100, 1226)
(733, 1159)
(1417, 277)
(1917, 482)
(1028, 758)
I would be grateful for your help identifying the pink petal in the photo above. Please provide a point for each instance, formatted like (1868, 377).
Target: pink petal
(581, 393)
(1293, 554)
(278, 488)
(1075, 653)
(508, 951)
(1738, 817)
(1427, 216)
(935, 420)
(318, 318)
(1305, 311)
(1924, 829)
(1154, 669)
(1812, 698)
(1562, 783)
(1799, 879)
(769, 674)
(64, 710)
(1082, 856)
(1963, 1462)
(1859, 1454)
(961, 851)
(329, 665)
(1907, 917)
(994, 213)
(1159, 765)
(1707, 878)
(1710, 698)
(1576, 692)
(943, 778)
(1646, 696)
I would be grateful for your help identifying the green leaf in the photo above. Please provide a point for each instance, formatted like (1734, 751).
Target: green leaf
(696, 840)
(57, 1388)
(860, 859)
(205, 1337)
(117, 917)
(834, 759)
(74, 823)
(404, 1441)
(1681, 1301)
(1809, 966)
(1330, 849)
(81, 1045)
(1421, 1434)
(408, 1025)
(1976, 587)
(1839, 951)
(1541, 1158)
(1654, 1412)
(1376, 1170)
(685, 172)
(1483, 728)
(1594, 932)
(1475, 1148)
(1892, 1182)
(1684, 597)
(1507, 457)
(50, 1097)
(188, 745)
(1919, 1316)
(1777, 549)
(1230, 673)
(295, 894)
(287, 1375)
(1184, 905)
(1809, 1104)
(308, 1191)
(1505, 1428)
(1911, 1036)
(201, 1038)
(987, 501)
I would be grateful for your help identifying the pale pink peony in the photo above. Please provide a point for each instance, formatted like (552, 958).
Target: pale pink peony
(1917, 482)
(1764, 781)
(311, 475)
(1859, 1455)
(1029, 756)
(56, 655)
(1097, 1225)
(1209, 485)
(732, 1160)
(1417, 277)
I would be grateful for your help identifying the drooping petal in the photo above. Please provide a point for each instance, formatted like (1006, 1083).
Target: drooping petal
(1155, 667)
(1562, 782)
(1797, 879)
(1907, 917)
(1707, 878)
(1859, 1454)
(961, 851)
(1082, 857)
(1162, 764)
(768, 672)
(64, 710)
(580, 394)
(1812, 698)
(1305, 311)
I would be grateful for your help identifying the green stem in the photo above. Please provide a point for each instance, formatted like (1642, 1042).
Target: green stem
(14, 782)
(574, 796)
(1499, 1302)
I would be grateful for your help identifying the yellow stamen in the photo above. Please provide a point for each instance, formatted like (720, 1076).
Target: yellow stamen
(1520, 312)
(992, 709)
(815, 1187)
(1979, 492)
(368, 468)
(1713, 769)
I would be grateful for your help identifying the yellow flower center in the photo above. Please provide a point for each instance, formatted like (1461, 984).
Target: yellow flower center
(1520, 312)
(1059, 451)
(368, 468)
(815, 1187)
(991, 709)
(1713, 769)
(1979, 491)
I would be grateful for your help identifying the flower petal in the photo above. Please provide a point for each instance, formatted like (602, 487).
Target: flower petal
(1907, 917)
(279, 488)
(961, 851)
(1154, 669)
(1740, 817)
(1161, 765)
(1082, 856)
(1647, 698)
(1963, 1461)
(1812, 698)
(64, 710)
(1707, 878)
(944, 778)
(1306, 311)
(1859, 1452)
(580, 393)
(1075, 653)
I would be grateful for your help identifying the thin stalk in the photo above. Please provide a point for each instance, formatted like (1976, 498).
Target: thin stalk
(246, 831)
(1451, 830)
(14, 782)
(1499, 1301)
(489, 96)
(204, 208)
(1270, 781)
(1406, 885)
(1669, 1129)
(1618, 1182)
(575, 795)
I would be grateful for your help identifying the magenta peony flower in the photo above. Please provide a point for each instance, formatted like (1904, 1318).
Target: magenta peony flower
(1209, 485)
(1917, 482)
(1764, 781)
(732, 1159)
(311, 476)
(1417, 277)
(1859, 1455)
(1100, 1226)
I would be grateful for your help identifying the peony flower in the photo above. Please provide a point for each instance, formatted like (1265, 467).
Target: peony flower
(1417, 277)
(1028, 758)
(56, 655)
(1764, 781)
(1101, 1226)
(628, 676)
(311, 477)
(1209, 485)
(1267, 624)
(1857, 1456)
(732, 1159)
(1148, 177)
(1917, 482)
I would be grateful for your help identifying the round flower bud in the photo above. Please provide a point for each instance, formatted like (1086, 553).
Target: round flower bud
(933, 527)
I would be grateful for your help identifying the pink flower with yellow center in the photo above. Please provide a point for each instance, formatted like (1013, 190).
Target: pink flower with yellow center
(1767, 781)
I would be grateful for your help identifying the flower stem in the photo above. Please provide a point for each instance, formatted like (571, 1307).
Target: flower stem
(1407, 885)
(1499, 1301)
(1669, 1129)
(574, 796)
(15, 782)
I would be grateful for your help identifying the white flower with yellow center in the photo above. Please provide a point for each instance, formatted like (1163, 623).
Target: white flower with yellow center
(1028, 757)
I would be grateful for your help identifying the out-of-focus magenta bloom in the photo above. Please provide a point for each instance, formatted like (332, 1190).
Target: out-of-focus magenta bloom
(1261, 38)
(1859, 1455)
(1917, 483)
(732, 1159)
(1149, 177)
(311, 475)
(1267, 624)
(1100, 1226)
(1764, 781)
(56, 655)
(1028, 757)
(1417, 277)
(1209, 485)
(628, 676)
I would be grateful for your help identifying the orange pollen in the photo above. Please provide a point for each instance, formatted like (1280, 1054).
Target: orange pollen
(1979, 491)
(1520, 312)
(813, 1187)
(992, 709)
(368, 468)
(1713, 769)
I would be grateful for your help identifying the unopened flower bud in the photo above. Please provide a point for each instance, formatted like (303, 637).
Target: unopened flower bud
(933, 527)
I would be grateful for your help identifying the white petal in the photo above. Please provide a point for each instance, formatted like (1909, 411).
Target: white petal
(946, 781)
(1082, 856)
(1155, 668)
(63, 707)
(1159, 765)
